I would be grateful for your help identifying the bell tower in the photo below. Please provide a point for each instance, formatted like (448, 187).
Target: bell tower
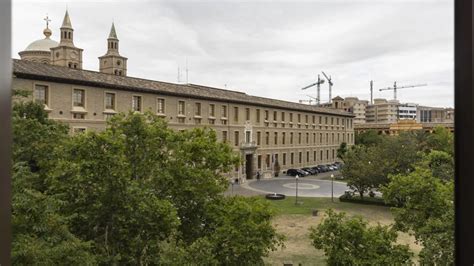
(66, 54)
(112, 62)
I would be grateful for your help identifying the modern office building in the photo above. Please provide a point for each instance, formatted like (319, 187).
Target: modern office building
(382, 111)
(262, 130)
(426, 114)
(407, 111)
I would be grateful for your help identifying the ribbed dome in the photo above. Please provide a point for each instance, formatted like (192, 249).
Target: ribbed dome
(42, 45)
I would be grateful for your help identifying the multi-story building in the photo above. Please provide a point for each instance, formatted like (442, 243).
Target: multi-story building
(426, 114)
(382, 111)
(350, 104)
(407, 111)
(263, 130)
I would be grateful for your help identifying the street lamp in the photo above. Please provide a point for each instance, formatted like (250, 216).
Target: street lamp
(296, 180)
(332, 187)
(232, 184)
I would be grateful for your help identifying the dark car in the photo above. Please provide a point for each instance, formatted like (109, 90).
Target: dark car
(324, 168)
(294, 172)
(309, 170)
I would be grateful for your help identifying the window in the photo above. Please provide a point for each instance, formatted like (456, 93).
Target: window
(258, 115)
(300, 157)
(314, 138)
(197, 121)
(314, 119)
(267, 161)
(78, 97)
(267, 138)
(307, 156)
(211, 121)
(333, 154)
(224, 136)
(137, 103)
(259, 136)
(327, 154)
(291, 117)
(236, 114)
(224, 111)
(181, 120)
(276, 138)
(292, 158)
(332, 142)
(212, 110)
(259, 161)
(236, 138)
(181, 108)
(41, 94)
(110, 100)
(320, 138)
(247, 114)
(291, 137)
(197, 109)
(321, 155)
(299, 138)
(284, 158)
(307, 138)
(247, 136)
(326, 120)
(266, 114)
(160, 106)
(275, 115)
(283, 138)
(306, 119)
(327, 138)
(332, 120)
(78, 116)
(299, 118)
(314, 156)
(108, 116)
(283, 116)
(320, 120)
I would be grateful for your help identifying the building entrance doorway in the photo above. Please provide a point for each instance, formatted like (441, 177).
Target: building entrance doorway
(249, 166)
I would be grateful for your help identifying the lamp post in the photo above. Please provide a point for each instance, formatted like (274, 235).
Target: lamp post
(296, 179)
(332, 187)
(232, 184)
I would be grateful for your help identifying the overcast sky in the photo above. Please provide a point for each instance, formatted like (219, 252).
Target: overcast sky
(266, 48)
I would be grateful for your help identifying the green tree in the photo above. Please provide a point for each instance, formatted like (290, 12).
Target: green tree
(364, 169)
(368, 138)
(425, 209)
(241, 230)
(342, 150)
(442, 140)
(350, 241)
(41, 235)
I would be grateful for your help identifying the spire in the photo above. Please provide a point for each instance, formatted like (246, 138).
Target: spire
(113, 34)
(47, 32)
(66, 21)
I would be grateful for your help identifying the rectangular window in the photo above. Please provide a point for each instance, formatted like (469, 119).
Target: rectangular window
(78, 97)
(78, 116)
(247, 114)
(41, 94)
(267, 161)
(327, 138)
(283, 116)
(300, 157)
(181, 120)
(314, 138)
(236, 114)
(327, 154)
(332, 120)
(212, 110)
(224, 136)
(314, 119)
(320, 138)
(224, 111)
(236, 138)
(267, 138)
(292, 158)
(307, 156)
(181, 108)
(197, 121)
(283, 138)
(266, 114)
(276, 138)
(211, 121)
(247, 136)
(320, 120)
(160, 107)
(258, 115)
(291, 137)
(307, 138)
(259, 161)
(299, 118)
(314, 156)
(326, 120)
(321, 155)
(306, 119)
(299, 138)
(110, 101)
(332, 138)
(259, 136)
(291, 117)
(284, 158)
(274, 115)
(197, 109)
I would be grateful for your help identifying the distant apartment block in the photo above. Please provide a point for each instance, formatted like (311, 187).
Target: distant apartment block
(382, 111)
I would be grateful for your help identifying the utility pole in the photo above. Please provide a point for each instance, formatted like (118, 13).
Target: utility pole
(371, 92)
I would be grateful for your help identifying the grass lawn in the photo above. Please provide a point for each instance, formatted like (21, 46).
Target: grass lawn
(294, 222)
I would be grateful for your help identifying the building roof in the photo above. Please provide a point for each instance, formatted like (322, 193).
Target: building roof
(46, 72)
(43, 45)
(112, 34)
(66, 21)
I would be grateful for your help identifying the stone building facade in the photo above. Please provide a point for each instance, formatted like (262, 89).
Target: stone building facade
(264, 131)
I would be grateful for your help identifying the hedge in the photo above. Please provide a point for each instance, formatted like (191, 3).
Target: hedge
(365, 200)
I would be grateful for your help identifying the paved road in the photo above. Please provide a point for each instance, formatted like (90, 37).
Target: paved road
(307, 187)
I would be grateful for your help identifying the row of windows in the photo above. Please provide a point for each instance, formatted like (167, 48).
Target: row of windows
(295, 158)
(79, 96)
(330, 139)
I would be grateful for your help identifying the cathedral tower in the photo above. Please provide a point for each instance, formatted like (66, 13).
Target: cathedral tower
(112, 62)
(66, 54)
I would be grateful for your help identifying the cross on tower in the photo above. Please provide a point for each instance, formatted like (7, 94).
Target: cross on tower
(47, 21)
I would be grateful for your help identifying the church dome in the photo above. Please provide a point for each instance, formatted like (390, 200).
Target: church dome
(42, 45)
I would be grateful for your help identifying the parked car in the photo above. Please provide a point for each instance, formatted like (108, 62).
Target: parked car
(294, 172)
(309, 170)
(323, 168)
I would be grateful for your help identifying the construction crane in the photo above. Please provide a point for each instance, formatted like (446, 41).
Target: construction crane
(371, 92)
(330, 85)
(395, 88)
(318, 84)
